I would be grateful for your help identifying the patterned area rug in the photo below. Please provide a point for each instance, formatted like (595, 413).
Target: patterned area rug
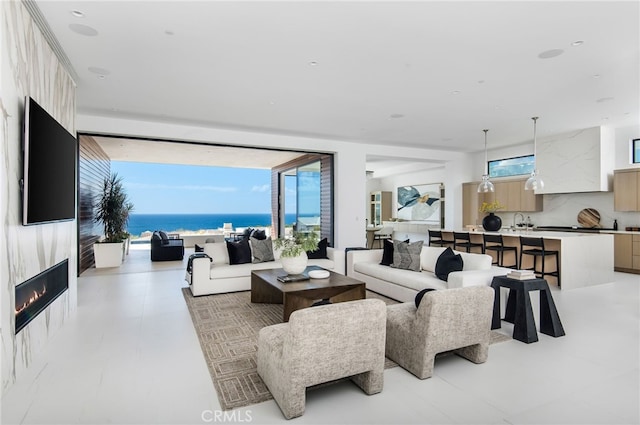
(227, 326)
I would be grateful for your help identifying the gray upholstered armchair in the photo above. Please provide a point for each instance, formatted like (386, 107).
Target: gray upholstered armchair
(321, 344)
(450, 319)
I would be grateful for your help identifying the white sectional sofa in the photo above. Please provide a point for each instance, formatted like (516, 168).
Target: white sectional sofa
(403, 285)
(218, 276)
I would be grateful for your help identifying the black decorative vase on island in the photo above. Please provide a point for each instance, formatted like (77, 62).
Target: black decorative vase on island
(492, 223)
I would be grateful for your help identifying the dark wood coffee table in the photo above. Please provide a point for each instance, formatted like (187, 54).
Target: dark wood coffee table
(266, 288)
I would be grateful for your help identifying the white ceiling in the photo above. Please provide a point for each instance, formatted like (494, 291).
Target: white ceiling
(163, 152)
(415, 74)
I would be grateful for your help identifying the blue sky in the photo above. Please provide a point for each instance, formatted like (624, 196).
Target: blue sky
(188, 189)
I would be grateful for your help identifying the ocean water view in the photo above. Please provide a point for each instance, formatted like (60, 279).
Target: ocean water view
(140, 223)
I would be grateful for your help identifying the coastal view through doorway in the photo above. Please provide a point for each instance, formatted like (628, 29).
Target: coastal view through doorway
(195, 189)
(190, 199)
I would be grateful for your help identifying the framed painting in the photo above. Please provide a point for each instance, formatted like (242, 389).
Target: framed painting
(424, 202)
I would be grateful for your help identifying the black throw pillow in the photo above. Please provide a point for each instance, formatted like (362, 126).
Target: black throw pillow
(420, 294)
(259, 234)
(247, 233)
(239, 252)
(321, 252)
(164, 237)
(387, 252)
(448, 262)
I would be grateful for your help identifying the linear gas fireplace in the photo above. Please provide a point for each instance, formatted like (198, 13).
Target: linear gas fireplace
(35, 294)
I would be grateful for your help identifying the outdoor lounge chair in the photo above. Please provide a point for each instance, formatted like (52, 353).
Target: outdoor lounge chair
(165, 249)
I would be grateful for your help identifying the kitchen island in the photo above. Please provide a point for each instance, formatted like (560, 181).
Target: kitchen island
(586, 259)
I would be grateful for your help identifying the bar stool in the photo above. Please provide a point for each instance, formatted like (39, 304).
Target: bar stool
(536, 248)
(436, 239)
(466, 243)
(496, 243)
(380, 235)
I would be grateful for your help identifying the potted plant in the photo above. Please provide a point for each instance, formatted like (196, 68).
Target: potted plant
(112, 210)
(294, 251)
(491, 222)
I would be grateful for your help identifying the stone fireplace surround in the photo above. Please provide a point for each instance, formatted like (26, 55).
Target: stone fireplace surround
(30, 68)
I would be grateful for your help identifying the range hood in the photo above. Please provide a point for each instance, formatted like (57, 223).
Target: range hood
(580, 161)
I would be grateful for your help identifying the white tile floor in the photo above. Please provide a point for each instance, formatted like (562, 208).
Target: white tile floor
(130, 355)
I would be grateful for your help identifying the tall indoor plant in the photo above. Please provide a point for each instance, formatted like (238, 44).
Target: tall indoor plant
(294, 251)
(112, 209)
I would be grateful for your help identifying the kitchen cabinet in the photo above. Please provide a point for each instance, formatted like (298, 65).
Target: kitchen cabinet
(626, 190)
(470, 204)
(509, 193)
(626, 249)
(380, 207)
(512, 195)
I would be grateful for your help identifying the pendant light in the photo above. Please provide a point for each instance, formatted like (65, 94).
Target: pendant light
(486, 185)
(534, 182)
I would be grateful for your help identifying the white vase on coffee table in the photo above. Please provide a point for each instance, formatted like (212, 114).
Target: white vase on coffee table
(295, 265)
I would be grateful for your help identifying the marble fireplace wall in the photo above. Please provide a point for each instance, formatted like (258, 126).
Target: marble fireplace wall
(29, 68)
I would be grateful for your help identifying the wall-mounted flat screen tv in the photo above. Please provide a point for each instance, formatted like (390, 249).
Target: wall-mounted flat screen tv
(49, 180)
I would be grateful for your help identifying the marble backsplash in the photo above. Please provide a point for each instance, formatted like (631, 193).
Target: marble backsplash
(29, 68)
(563, 209)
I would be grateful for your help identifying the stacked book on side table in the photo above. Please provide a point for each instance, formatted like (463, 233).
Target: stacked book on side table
(521, 274)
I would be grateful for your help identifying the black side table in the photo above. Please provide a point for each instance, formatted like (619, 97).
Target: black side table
(519, 311)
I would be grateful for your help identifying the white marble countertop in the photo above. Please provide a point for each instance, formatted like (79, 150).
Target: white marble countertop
(620, 232)
(535, 234)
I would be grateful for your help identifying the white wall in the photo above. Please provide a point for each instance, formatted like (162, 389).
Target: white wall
(29, 67)
(452, 174)
(349, 187)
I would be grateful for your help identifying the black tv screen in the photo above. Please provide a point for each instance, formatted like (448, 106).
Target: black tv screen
(49, 185)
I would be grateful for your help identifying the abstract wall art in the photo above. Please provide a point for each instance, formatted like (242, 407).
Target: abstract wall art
(422, 202)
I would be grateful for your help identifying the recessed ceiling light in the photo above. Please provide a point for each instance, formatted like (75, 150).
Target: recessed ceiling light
(455, 92)
(396, 116)
(480, 81)
(83, 29)
(313, 63)
(547, 54)
(101, 71)
(577, 43)
(596, 75)
(169, 32)
(77, 14)
(101, 77)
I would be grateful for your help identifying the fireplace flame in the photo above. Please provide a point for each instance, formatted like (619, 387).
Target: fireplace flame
(33, 298)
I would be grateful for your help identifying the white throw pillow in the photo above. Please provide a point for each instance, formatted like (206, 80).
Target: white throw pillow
(429, 256)
(218, 252)
(475, 261)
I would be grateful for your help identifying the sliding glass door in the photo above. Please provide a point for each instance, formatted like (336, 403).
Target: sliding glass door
(305, 199)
